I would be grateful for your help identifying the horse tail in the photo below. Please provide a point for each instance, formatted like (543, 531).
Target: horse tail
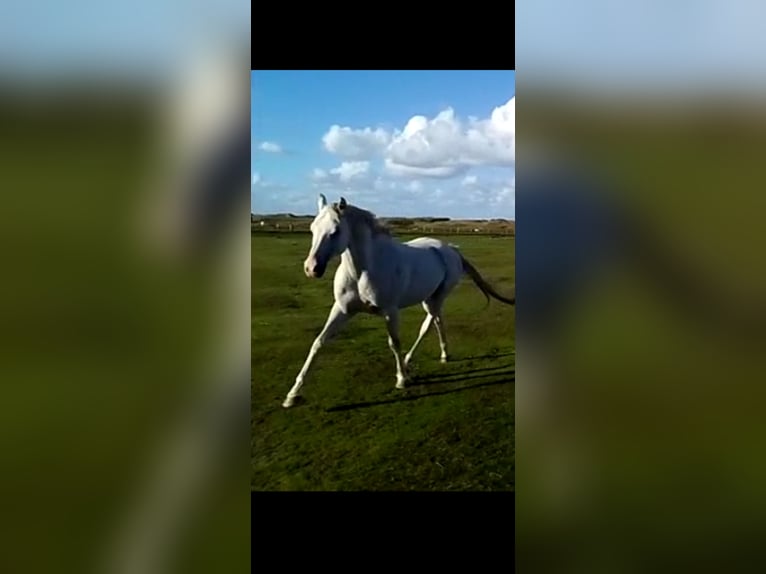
(482, 284)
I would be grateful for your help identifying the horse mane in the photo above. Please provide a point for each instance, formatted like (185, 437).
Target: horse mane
(357, 217)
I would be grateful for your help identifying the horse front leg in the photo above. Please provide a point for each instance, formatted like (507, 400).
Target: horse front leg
(392, 324)
(335, 321)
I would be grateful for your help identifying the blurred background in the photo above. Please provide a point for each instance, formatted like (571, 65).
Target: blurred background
(641, 289)
(124, 353)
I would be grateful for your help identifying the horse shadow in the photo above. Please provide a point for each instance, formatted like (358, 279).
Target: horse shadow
(488, 356)
(498, 378)
(440, 378)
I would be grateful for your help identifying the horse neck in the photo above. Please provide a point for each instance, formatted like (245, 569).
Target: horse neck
(358, 256)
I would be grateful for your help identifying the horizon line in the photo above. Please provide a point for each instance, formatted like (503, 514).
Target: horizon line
(390, 216)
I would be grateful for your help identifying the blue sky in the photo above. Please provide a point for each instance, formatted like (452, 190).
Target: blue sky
(439, 143)
(653, 46)
(114, 39)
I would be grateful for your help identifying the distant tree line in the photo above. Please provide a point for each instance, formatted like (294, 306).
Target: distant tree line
(278, 223)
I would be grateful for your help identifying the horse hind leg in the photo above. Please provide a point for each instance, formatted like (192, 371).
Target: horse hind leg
(441, 330)
(427, 322)
(434, 307)
(392, 324)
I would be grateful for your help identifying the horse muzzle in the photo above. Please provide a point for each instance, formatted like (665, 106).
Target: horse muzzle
(313, 270)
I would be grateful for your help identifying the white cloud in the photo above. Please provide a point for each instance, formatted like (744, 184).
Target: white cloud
(441, 148)
(355, 144)
(498, 195)
(351, 170)
(446, 144)
(346, 171)
(264, 186)
(382, 184)
(503, 195)
(423, 166)
(439, 172)
(270, 147)
(349, 175)
(475, 195)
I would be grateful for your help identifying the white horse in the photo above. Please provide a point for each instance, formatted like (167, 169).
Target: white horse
(380, 275)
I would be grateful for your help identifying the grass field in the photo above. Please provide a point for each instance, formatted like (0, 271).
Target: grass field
(453, 429)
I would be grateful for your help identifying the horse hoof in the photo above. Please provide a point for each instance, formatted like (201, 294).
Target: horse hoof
(290, 402)
(401, 383)
(443, 360)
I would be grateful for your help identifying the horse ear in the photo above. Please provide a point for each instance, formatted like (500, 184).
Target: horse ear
(321, 202)
(342, 204)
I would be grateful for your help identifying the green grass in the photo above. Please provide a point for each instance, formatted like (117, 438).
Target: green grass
(453, 429)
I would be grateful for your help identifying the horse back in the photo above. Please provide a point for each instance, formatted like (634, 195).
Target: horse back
(425, 242)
